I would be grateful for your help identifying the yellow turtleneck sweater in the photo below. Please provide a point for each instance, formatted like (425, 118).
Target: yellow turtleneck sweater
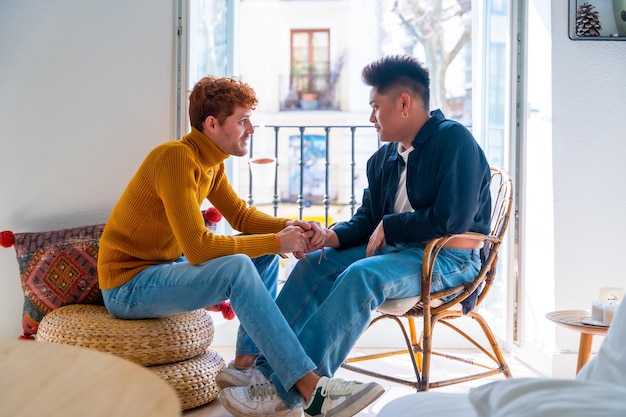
(158, 217)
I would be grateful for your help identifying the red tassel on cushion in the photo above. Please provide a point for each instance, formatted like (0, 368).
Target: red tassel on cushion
(212, 215)
(7, 239)
(225, 308)
(227, 311)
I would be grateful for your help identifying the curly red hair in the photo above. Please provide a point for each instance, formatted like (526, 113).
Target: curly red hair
(218, 97)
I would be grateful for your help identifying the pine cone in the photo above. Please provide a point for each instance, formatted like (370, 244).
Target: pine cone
(587, 21)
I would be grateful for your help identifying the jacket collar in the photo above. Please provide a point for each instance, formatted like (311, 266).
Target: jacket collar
(436, 118)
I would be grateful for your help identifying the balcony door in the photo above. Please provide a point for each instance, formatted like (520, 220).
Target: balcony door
(469, 52)
(310, 60)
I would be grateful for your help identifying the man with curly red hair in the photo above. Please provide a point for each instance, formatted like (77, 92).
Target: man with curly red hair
(157, 257)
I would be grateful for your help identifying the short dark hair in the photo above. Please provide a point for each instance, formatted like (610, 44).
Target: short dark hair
(398, 71)
(218, 97)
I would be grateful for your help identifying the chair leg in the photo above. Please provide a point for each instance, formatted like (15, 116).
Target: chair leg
(495, 347)
(495, 354)
(420, 351)
(413, 350)
(427, 348)
(417, 353)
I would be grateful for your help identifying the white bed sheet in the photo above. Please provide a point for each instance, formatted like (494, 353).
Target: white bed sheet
(429, 404)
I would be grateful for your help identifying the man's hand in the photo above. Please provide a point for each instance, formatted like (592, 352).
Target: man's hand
(318, 236)
(293, 239)
(314, 230)
(377, 240)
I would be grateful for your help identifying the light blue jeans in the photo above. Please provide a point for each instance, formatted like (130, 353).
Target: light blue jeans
(179, 287)
(328, 303)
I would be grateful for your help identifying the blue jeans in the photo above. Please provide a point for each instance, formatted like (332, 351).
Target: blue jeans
(179, 287)
(328, 304)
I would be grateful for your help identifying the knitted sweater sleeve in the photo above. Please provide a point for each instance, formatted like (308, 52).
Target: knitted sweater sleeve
(181, 198)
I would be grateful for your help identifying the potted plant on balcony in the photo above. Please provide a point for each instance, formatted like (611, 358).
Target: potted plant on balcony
(304, 79)
(309, 100)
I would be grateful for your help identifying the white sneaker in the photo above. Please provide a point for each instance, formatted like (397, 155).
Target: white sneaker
(256, 400)
(233, 377)
(338, 398)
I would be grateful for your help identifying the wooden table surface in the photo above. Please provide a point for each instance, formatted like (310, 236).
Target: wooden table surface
(573, 320)
(56, 380)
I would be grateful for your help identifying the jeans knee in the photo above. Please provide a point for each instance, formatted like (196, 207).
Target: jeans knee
(359, 273)
(242, 270)
(241, 262)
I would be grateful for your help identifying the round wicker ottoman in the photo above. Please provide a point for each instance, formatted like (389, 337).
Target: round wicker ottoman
(193, 379)
(175, 347)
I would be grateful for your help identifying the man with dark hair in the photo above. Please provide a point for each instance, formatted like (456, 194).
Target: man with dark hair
(142, 273)
(429, 180)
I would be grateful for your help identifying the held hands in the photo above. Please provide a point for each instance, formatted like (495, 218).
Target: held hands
(302, 237)
(314, 231)
(292, 239)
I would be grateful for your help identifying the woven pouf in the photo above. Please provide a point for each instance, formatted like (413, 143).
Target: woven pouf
(175, 347)
(146, 342)
(193, 379)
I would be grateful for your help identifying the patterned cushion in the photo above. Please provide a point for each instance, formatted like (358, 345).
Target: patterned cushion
(57, 268)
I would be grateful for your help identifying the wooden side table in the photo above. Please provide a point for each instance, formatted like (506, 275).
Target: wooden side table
(57, 380)
(573, 320)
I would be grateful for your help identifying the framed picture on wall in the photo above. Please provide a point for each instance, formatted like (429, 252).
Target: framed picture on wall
(595, 20)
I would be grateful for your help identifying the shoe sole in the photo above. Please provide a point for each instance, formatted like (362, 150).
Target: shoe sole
(225, 380)
(359, 404)
(225, 400)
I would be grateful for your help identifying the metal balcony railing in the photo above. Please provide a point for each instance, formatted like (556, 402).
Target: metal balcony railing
(315, 165)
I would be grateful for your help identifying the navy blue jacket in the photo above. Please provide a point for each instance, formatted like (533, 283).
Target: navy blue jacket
(447, 186)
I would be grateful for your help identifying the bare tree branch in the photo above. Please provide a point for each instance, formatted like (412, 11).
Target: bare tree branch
(423, 21)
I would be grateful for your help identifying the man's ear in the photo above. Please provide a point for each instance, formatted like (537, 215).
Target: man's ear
(210, 124)
(405, 101)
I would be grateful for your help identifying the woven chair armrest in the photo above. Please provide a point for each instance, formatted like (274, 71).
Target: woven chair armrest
(431, 251)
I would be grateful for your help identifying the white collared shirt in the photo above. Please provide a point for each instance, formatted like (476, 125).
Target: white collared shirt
(402, 203)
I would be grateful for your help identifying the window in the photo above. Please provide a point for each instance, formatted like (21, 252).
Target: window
(208, 39)
(466, 45)
(310, 62)
(205, 49)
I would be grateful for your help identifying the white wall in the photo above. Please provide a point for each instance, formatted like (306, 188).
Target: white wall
(86, 90)
(588, 84)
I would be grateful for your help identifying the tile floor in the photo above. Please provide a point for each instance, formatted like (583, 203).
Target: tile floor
(401, 365)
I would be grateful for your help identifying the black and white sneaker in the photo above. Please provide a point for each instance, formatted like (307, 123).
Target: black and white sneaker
(335, 397)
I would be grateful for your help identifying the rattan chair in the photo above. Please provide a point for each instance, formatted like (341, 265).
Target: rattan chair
(433, 311)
